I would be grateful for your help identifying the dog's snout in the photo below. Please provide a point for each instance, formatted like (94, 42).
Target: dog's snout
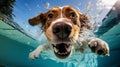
(62, 30)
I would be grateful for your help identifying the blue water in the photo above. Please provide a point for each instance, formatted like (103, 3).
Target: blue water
(15, 45)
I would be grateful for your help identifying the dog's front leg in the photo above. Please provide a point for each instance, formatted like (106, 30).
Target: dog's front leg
(98, 46)
(35, 54)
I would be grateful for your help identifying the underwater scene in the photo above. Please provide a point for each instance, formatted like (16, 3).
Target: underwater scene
(59, 33)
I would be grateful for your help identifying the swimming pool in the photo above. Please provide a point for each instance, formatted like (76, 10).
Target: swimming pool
(17, 39)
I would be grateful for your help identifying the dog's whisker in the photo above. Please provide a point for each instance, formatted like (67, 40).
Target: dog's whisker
(56, 50)
(68, 49)
(66, 34)
(77, 41)
(72, 41)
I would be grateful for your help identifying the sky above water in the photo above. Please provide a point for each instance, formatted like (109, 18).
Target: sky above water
(25, 9)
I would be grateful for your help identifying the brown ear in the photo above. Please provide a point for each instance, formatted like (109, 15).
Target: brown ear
(40, 19)
(84, 21)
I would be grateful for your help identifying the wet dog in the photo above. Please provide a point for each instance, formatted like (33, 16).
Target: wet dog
(64, 27)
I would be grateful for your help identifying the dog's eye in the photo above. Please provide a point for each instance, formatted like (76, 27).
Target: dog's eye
(50, 15)
(72, 15)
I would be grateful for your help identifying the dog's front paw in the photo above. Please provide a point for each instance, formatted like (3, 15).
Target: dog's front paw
(99, 46)
(34, 55)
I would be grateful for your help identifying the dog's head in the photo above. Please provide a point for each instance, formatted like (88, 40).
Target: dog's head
(62, 26)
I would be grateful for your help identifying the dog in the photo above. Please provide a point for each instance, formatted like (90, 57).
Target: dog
(64, 27)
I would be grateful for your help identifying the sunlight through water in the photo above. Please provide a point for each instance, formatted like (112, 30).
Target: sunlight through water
(96, 13)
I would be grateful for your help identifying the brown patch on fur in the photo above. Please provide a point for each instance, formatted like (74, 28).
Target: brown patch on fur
(37, 19)
(84, 21)
(46, 18)
(72, 14)
(67, 12)
(52, 15)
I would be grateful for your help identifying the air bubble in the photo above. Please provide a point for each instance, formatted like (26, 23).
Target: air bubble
(47, 5)
(29, 9)
(113, 8)
(38, 6)
(28, 42)
(31, 50)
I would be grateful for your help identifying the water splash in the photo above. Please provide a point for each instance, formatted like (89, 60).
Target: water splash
(89, 8)
(47, 5)
(75, 60)
(104, 4)
(97, 14)
(80, 59)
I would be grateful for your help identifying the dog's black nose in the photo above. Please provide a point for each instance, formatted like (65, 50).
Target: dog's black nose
(62, 30)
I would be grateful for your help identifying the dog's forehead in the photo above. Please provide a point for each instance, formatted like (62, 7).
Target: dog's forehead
(61, 8)
(55, 8)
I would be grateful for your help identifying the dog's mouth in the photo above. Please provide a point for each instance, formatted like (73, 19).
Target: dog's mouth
(62, 50)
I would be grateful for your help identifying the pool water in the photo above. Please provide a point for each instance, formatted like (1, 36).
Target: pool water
(18, 38)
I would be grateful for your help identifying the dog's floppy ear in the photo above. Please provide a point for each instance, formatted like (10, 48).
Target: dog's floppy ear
(84, 21)
(40, 19)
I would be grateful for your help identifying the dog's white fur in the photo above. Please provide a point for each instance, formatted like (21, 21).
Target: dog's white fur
(95, 44)
(90, 41)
